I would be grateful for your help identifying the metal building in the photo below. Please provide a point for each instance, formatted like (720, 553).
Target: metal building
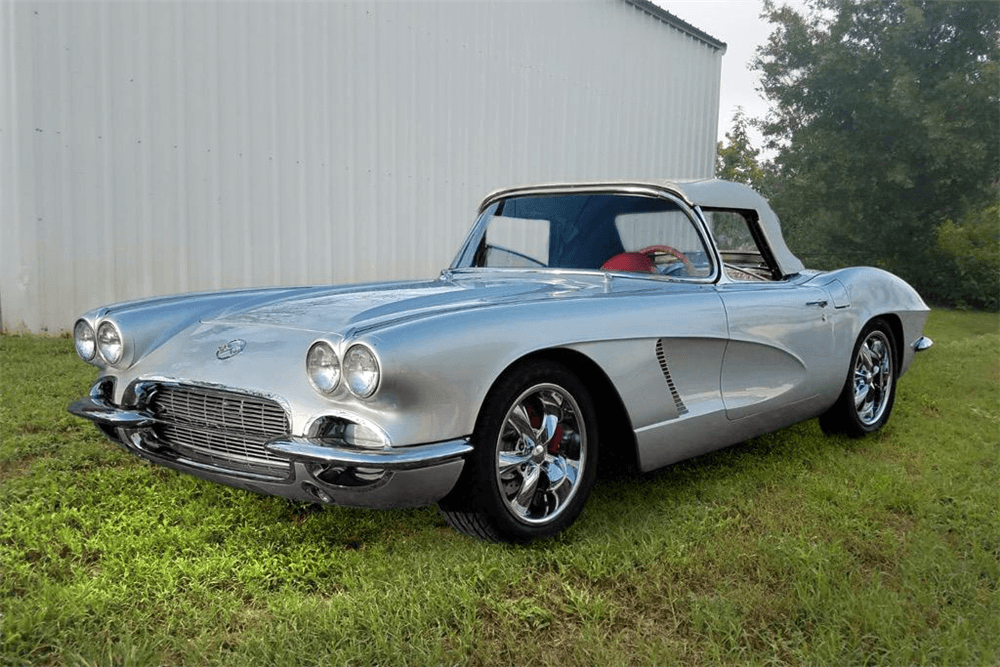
(153, 148)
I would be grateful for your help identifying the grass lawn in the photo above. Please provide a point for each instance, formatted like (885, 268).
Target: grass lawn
(792, 548)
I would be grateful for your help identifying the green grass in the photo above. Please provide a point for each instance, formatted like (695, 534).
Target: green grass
(791, 549)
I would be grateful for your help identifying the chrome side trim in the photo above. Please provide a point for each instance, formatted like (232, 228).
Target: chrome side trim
(316, 450)
(923, 343)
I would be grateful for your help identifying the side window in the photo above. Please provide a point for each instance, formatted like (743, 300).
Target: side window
(671, 240)
(744, 255)
(517, 243)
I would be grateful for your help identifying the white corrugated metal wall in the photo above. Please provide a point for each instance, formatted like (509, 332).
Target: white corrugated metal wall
(152, 148)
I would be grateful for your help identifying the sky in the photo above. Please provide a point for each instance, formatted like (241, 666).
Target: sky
(738, 24)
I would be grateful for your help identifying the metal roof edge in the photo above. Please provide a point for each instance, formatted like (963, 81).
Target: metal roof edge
(676, 22)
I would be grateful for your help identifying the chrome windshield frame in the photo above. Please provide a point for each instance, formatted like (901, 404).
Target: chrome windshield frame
(463, 261)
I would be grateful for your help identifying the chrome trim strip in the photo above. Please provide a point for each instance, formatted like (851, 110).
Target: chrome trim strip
(546, 273)
(650, 427)
(317, 450)
(922, 343)
(708, 240)
(491, 271)
(636, 188)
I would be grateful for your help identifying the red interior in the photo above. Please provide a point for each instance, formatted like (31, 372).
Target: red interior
(634, 262)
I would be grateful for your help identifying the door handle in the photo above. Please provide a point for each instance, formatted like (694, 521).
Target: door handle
(820, 304)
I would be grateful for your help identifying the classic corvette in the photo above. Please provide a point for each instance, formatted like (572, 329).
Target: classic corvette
(579, 325)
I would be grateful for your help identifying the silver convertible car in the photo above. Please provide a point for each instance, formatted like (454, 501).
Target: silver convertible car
(580, 325)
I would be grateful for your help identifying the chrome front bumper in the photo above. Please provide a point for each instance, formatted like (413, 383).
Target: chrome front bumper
(319, 471)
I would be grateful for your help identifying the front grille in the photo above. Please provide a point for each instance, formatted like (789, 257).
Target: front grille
(220, 428)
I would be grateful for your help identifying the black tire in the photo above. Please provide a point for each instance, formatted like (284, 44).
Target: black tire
(869, 392)
(534, 459)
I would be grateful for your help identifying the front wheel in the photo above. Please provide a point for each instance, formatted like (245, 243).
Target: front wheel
(534, 461)
(866, 400)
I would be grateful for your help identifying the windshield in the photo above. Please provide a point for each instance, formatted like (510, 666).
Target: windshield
(599, 231)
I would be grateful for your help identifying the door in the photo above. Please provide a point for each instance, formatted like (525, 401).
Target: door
(780, 343)
(780, 331)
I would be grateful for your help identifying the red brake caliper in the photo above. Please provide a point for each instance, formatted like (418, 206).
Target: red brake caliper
(556, 440)
(536, 422)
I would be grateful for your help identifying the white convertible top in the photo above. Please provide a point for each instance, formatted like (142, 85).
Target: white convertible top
(713, 193)
(706, 193)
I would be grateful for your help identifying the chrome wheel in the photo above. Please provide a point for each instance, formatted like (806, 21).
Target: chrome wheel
(869, 390)
(872, 379)
(533, 463)
(540, 452)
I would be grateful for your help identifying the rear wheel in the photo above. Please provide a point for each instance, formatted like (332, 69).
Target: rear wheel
(534, 461)
(866, 400)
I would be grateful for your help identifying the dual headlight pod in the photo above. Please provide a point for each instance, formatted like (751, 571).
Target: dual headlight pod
(107, 340)
(360, 369)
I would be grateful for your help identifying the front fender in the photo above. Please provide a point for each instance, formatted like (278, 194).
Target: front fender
(438, 371)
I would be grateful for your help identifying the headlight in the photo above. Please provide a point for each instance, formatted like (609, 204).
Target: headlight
(361, 371)
(83, 338)
(109, 342)
(323, 367)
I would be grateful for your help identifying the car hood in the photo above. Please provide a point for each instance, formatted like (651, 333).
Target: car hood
(184, 339)
(338, 309)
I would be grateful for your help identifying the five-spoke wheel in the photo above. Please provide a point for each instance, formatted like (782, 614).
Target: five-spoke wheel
(540, 453)
(872, 378)
(534, 460)
(866, 399)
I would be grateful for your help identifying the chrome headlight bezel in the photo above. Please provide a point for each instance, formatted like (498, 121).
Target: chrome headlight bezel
(318, 353)
(361, 361)
(109, 338)
(85, 340)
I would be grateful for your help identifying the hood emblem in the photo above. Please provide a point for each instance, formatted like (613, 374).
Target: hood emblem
(231, 349)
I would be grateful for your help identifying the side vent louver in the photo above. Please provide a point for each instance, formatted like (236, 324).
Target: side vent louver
(661, 357)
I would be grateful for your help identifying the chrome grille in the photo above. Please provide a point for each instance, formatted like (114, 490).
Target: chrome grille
(220, 428)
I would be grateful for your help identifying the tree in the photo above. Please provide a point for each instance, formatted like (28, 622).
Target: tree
(738, 161)
(973, 246)
(885, 116)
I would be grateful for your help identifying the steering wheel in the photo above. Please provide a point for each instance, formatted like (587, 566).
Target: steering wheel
(651, 250)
